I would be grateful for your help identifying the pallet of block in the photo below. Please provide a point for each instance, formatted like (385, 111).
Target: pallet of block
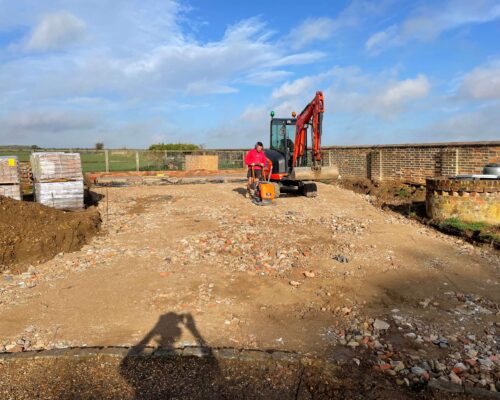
(10, 177)
(55, 166)
(66, 195)
(9, 170)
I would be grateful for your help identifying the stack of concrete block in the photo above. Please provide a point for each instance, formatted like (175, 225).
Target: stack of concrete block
(10, 181)
(58, 180)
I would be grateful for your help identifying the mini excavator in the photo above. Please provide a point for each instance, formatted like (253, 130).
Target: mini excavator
(290, 158)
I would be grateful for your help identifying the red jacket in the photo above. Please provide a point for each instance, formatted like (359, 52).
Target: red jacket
(254, 157)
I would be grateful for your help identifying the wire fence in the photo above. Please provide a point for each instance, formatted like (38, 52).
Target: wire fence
(138, 160)
(144, 160)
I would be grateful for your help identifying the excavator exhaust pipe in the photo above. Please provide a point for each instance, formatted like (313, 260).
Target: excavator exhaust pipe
(309, 174)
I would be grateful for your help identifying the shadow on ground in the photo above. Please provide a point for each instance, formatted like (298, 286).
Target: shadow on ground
(241, 190)
(165, 372)
(165, 379)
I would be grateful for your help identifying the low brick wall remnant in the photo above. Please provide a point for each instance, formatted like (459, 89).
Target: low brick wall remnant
(467, 200)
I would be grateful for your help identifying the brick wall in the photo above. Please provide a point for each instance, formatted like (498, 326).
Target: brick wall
(412, 162)
(467, 200)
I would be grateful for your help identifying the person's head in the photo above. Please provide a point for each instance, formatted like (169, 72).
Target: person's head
(259, 146)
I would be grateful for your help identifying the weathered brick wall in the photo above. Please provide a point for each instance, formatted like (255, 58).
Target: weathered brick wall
(466, 200)
(412, 162)
(350, 161)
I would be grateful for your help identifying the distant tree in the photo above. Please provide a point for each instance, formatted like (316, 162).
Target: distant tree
(34, 147)
(174, 146)
(99, 146)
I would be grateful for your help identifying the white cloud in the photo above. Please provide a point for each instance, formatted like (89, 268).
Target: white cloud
(482, 83)
(265, 78)
(56, 31)
(179, 64)
(312, 29)
(427, 23)
(380, 39)
(481, 124)
(46, 122)
(281, 60)
(198, 68)
(401, 92)
(204, 87)
(322, 28)
(349, 89)
(298, 87)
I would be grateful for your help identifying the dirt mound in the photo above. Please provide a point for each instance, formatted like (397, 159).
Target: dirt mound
(390, 192)
(32, 233)
(409, 201)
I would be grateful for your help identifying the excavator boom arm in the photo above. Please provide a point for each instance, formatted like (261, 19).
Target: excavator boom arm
(312, 115)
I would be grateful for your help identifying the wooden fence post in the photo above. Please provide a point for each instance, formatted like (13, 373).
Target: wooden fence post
(106, 160)
(137, 164)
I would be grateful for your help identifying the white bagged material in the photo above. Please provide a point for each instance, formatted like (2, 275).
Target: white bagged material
(62, 195)
(12, 191)
(9, 170)
(58, 179)
(53, 166)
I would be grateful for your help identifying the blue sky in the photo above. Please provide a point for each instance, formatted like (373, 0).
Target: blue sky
(133, 73)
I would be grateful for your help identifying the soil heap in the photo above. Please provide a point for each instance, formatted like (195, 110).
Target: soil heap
(33, 233)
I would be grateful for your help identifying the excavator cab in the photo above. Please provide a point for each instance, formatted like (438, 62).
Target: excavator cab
(282, 134)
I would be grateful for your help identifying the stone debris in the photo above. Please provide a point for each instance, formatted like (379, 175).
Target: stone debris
(380, 325)
(341, 258)
(446, 351)
(425, 303)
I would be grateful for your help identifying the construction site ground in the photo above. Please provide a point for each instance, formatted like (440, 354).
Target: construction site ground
(334, 277)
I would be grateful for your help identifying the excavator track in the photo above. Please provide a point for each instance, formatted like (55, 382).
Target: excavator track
(308, 189)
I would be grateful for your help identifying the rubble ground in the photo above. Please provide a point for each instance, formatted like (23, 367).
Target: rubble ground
(332, 276)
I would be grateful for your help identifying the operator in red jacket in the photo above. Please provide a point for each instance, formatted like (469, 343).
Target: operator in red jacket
(257, 159)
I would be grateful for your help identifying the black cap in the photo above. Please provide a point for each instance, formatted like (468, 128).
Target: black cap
(259, 144)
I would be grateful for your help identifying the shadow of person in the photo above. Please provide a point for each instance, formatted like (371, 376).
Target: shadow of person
(166, 332)
(163, 373)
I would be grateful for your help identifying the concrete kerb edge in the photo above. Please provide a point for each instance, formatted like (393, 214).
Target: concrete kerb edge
(219, 353)
(187, 351)
(168, 181)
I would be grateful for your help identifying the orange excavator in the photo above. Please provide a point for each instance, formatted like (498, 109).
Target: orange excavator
(290, 158)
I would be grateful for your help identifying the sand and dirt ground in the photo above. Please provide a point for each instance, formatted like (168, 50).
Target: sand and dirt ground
(309, 275)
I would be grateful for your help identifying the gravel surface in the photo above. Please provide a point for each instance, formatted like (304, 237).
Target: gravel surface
(333, 277)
